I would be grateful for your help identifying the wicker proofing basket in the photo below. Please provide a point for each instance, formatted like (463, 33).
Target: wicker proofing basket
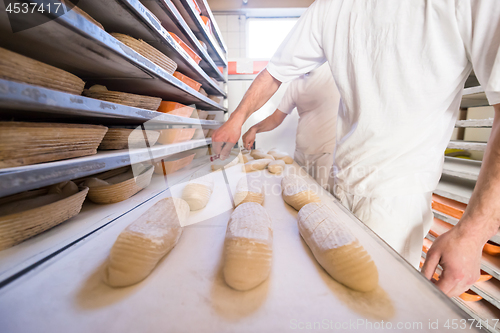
(15, 228)
(120, 191)
(23, 143)
(138, 101)
(120, 138)
(148, 52)
(16, 67)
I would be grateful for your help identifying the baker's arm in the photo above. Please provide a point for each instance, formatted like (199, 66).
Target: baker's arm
(459, 250)
(265, 125)
(262, 89)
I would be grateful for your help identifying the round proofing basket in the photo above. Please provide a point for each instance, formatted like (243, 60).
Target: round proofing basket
(148, 52)
(16, 67)
(18, 227)
(138, 101)
(120, 138)
(23, 143)
(120, 191)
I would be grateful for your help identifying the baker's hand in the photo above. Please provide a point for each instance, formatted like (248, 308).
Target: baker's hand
(249, 138)
(459, 254)
(225, 137)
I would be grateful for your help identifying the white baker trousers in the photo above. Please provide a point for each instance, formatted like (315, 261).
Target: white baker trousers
(318, 166)
(401, 221)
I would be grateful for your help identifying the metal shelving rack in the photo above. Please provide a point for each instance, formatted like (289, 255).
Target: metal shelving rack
(75, 44)
(457, 182)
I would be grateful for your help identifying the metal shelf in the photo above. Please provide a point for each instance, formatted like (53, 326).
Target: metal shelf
(132, 18)
(94, 55)
(27, 102)
(206, 11)
(475, 123)
(473, 97)
(172, 20)
(196, 24)
(489, 290)
(468, 145)
(455, 188)
(454, 221)
(19, 179)
(486, 313)
(461, 168)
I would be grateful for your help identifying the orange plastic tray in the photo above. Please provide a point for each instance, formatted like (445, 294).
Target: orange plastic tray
(447, 206)
(172, 165)
(187, 80)
(470, 296)
(491, 248)
(196, 7)
(186, 48)
(439, 227)
(175, 135)
(206, 20)
(176, 109)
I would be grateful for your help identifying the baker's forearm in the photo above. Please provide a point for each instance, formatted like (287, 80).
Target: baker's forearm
(482, 216)
(262, 89)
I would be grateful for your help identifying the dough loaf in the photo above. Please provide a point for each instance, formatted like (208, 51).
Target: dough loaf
(248, 190)
(198, 191)
(247, 158)
(280, 156)
(276, 166)
(143, 243)
(256, 165)
(248, 247)
(336, 249)
(296, 192)
(256, 151)
(260, 155)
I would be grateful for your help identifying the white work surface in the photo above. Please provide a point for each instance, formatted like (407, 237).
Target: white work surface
(187, 293)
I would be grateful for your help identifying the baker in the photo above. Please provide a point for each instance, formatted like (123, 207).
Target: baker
(400, 67)
(316, 98)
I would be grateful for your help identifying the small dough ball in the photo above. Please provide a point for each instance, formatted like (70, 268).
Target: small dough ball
(198, 191)
(276, 166)
(281, 156)
(67, 188)
(98, 87)
(248, 247)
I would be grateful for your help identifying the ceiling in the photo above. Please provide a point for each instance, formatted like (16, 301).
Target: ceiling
(261, 7)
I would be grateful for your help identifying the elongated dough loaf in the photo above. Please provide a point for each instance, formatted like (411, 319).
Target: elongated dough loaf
(296, 192)
(247, 158)
(336, 249)
(276, 166)
(143, 243)
(256, 165)
(198, 191)
(280, 156)
(248, 247)
(259, 155)
(248, 190)
(257, 151)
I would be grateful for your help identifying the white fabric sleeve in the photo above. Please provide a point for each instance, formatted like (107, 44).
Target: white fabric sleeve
(287, 103)
(301, 51)
(480, 28)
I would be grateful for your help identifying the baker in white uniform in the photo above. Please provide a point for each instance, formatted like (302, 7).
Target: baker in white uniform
(400, 67)
(316, 98)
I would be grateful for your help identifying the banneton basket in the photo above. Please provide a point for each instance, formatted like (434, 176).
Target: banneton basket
(15, 228)
(175, 135)
(176, 109)
(120, 138)
(173, 164)
(138, 101)
(16, 67)
(148, 52)
(120, 191)
(23, 143)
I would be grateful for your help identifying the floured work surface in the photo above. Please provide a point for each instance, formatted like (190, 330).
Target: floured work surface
(187, 293)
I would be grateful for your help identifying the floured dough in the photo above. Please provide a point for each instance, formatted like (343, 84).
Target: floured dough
(257, 151)
(256, 165)
(227, 163)
(247, 158)
(249, 190)
(276, 166)
(248, 247)
(336, 249)
(143, 243)
(280, 156)
(260, 155)
(296, 192)
(95, 182)
(198, 191)
(65, 188)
